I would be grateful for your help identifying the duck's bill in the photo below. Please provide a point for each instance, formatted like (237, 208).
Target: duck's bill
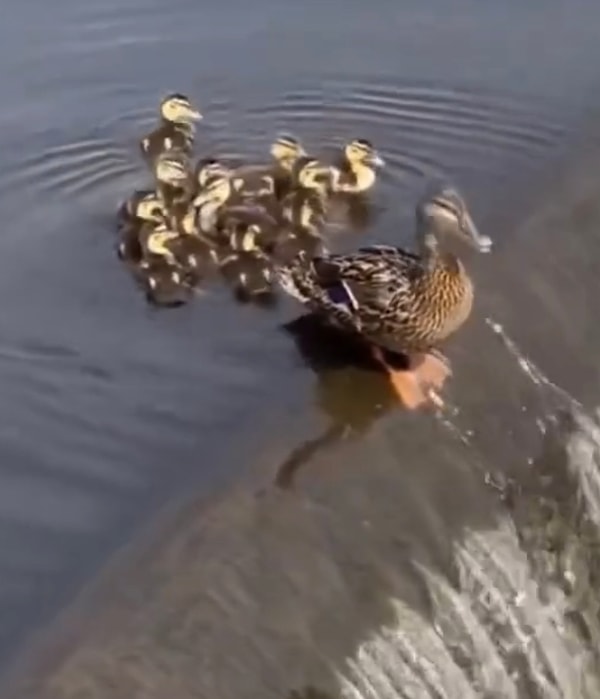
(377, 160)
(193, 114)
(483, 243)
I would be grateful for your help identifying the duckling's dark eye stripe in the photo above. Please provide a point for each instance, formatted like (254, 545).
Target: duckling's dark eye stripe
(288, 142)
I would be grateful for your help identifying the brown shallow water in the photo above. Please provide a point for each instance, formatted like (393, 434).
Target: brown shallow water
(293, 528)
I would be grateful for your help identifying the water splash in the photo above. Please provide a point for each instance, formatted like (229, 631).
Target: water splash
(518, 616)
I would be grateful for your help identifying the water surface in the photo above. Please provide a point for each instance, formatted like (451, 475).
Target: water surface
(112, 411)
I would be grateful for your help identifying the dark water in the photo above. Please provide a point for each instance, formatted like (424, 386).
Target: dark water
(352, 548)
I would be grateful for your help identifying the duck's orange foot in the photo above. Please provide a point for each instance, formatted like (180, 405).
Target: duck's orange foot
(431, 369)
(408, 388)
(418, 385)
(404, 383)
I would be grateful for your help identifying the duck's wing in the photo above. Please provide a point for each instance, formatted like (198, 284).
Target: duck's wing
(363, 289)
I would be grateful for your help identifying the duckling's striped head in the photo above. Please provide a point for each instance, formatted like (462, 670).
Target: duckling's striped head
(171, 169)
(177, 109)
(314, 175)
(217, 191)
(150, 208)
(286, 149)
(208, 168)
(361, 151)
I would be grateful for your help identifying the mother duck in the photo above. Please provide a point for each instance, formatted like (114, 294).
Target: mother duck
(396, 300)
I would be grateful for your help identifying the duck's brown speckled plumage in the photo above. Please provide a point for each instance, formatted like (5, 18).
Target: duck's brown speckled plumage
(395, 299)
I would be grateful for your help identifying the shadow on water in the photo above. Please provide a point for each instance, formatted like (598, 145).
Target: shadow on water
(344, 368)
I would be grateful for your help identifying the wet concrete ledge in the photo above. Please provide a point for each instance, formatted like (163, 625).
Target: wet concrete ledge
(267, 590)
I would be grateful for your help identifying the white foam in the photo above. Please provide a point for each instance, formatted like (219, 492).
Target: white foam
(503, 629)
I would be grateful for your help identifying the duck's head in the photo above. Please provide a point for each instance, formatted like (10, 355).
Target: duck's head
(217, 191)
(445, 210)
(170, 169)
(286, 150)
(177, 109)
(209, 168)
(361, 152)
(150, 208)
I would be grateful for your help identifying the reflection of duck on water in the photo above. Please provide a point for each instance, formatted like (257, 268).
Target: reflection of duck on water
(345, 390)
(344, 366)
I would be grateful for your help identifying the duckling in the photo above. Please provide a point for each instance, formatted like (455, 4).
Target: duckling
(163, 282)
(247, 272)
(206, 169)
(154, 242)
(142, 205)
(172, 169)
(356, 173)
(129, 249)
(209, 203)
(192, 250)
(165, 286)
(170, 258)
(398, 301)
(305, 209)
(242, 263)
(173, 183)
(236, 223)
(177, 129)
(295, 241)
(142, 208)
(228, 223)
(181, 248)
(270, 182)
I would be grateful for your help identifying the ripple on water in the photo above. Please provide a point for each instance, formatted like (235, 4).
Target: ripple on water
(421, 130)
(74, 169)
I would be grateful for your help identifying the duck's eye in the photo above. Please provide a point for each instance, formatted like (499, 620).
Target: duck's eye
(447, 208)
